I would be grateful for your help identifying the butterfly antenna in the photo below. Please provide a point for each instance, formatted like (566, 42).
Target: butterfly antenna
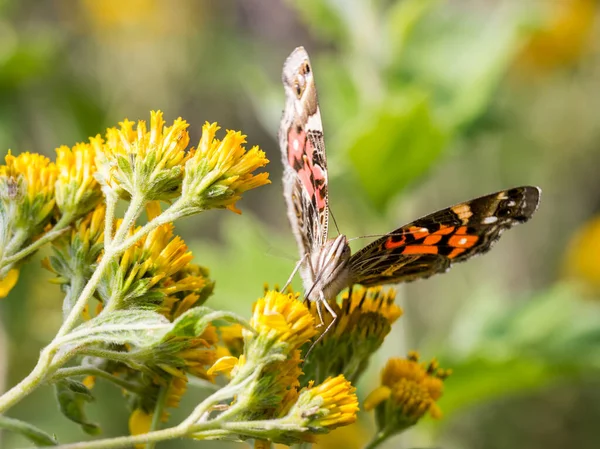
(370, 236)
(334, 221)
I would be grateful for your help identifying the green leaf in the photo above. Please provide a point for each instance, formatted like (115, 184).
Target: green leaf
(32, 433)
(72, 397)
(393, 146)
(190, 324)
(134, 327)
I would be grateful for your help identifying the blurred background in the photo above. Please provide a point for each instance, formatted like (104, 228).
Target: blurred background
(425, 103)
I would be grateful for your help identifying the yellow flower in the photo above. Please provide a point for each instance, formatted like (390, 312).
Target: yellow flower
(188, 287)
(280, 318)
(283, 324)
(219, 171)
(408, 391)
(27, 193)
(199, 353)
(327, 406)
(139, 161)
(26, 207)
(77, 191)
(149, 271)
(364, 318)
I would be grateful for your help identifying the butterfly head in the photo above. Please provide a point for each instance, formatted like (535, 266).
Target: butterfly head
(331, 269)
(299, 84)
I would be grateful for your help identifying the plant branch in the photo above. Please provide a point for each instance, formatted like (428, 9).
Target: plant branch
(74, 371)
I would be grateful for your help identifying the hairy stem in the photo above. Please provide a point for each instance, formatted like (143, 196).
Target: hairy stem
(133, 212)
(59, 229)
(29, 383)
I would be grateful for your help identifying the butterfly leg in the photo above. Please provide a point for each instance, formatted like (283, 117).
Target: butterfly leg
(331, 311)
(320, 315)
(334, 318)
(296, 268)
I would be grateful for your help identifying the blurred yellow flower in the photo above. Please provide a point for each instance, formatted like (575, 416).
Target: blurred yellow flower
(140, 422)
(582, 259)
(563, 37)
(408, 390)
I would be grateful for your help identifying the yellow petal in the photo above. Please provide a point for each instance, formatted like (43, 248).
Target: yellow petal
(140, 423)
(224, 364)
(7, 284)
(376, 397)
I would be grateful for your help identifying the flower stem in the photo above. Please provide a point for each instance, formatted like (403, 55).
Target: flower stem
(133, 212)
(29, 383)
(59, 229)
(379, 438)
(42, 368)
(74, 371)
(128, 441)
(110, 199)
(158, 409)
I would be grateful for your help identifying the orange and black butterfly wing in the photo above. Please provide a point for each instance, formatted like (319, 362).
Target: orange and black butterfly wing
(433, 243)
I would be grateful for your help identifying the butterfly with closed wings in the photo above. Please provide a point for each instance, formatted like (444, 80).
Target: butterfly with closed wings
(417, 250)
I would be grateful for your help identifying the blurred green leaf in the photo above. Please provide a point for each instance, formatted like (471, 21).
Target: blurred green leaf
(246, 260)
(520, 347)
(322, 17)
(394, 145)
(461, 60)
(32, 433)
(401, 19)
(72, 397)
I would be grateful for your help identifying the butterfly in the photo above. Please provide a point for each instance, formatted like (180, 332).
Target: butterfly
(420, 249)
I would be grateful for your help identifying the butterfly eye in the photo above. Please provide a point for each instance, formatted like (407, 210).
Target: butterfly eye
(299, 86)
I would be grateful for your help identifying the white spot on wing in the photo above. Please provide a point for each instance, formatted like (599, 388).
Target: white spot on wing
(314, 122)
(296, 144)
(489, 220)
(462, 241)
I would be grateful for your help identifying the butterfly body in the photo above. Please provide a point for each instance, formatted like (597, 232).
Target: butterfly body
(417, 250)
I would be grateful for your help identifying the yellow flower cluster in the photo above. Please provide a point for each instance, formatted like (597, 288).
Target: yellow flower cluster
(283, 326)
(37, 196)
(364, 318)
